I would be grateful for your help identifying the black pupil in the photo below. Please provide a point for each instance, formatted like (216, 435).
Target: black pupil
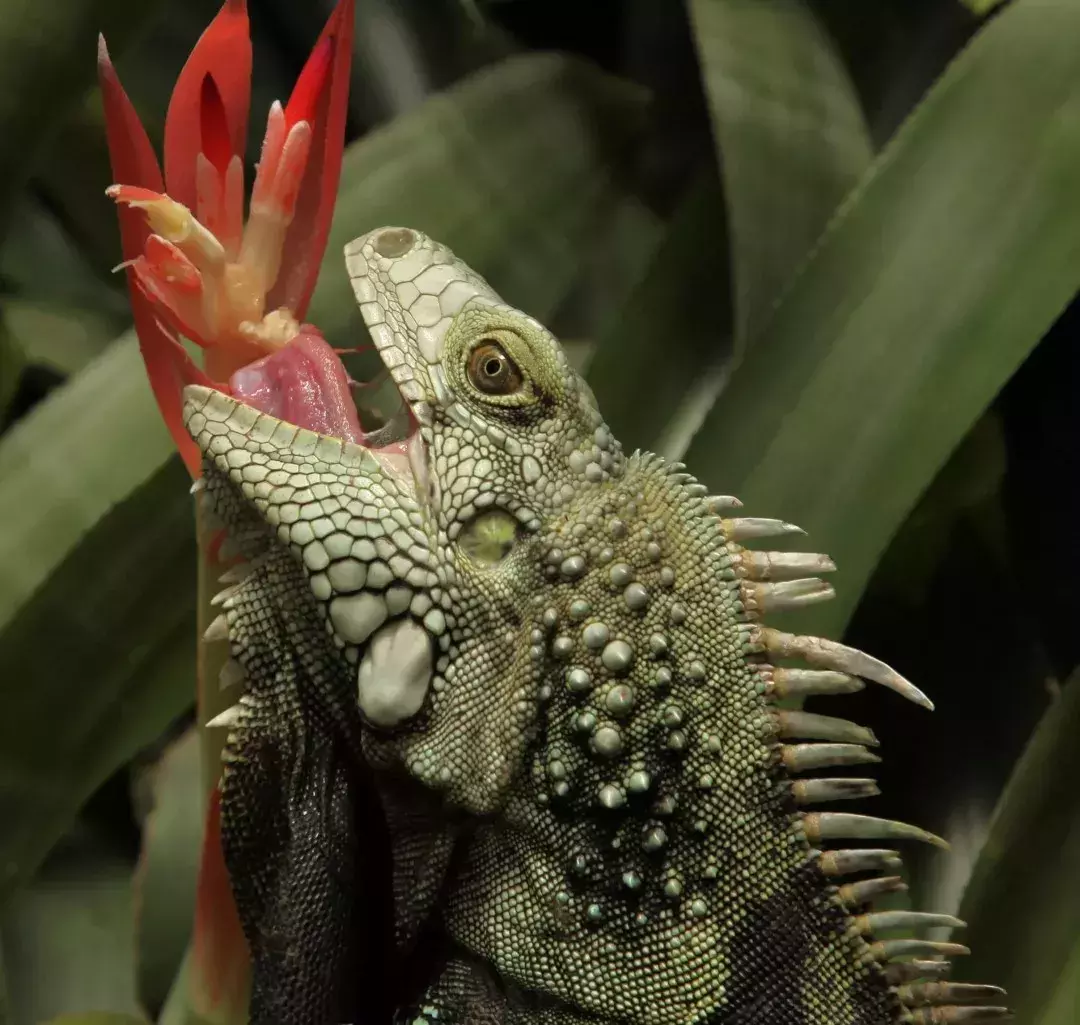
(493, 366)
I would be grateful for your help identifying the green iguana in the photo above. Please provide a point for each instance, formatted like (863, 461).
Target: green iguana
(547, 659)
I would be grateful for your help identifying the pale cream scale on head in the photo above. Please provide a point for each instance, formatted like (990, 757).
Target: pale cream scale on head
(480, 373)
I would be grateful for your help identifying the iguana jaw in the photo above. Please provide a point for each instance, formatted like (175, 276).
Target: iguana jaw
(402, 458)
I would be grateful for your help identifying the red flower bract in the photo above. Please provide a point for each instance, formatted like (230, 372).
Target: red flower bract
(195, 268)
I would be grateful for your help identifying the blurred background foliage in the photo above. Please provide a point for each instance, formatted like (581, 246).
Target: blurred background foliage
(827, 250)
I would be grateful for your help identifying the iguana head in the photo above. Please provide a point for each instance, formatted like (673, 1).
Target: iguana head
(535, 626)
(418, 550)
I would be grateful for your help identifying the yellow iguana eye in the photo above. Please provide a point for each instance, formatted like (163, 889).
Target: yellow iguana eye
(492, 371)
(489, 537)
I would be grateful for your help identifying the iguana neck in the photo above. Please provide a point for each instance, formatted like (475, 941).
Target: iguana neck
(649, 865)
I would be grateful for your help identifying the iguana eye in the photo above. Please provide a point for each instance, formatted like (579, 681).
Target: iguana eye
(492, 370)
(490, 537)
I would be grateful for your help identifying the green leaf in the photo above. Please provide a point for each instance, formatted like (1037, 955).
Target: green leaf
(12, 361)
(791, 144)
(46, 64)
(790, 138)
(96, 616)
(1022, 903)
(64, 338)
(53, 763)
(68, 937)
(981, 7)
(964, 495)
(512, 168)
(682, 305)
(40, 264)
(96, 1018)
(96, 439)
(953, 258)
(1062, 1006)
(168, 868)
(5, 1003)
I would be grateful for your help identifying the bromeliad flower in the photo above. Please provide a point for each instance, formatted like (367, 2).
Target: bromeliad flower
(195, 268)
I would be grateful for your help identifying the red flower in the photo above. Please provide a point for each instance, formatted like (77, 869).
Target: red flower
(194, 267)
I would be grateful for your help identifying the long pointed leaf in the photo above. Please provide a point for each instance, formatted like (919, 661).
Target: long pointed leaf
(791, 143)
(68, 939)
(681, 310)
(956, 254)
(168, 866)
(12, 361)
(1022, 904)
(43, 72)
(789, 134)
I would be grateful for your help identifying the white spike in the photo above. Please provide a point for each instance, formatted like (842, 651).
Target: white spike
(880, 920)
(780, 565)
(793, 722)
(826, 654)
(830, 825)
(199, 484)
(784, 596)
(720, 504)
(232, 673)
(236, 574)
(821, 791)
(218, 630)
(745, 528)
(222, 597)
(230, 717)
(859, 859)
(802, 757)
(785, 682)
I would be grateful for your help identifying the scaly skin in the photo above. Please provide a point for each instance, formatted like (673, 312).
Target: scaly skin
(551, 657)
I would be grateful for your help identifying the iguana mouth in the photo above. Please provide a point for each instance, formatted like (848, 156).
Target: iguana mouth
(400, 449)
(305, 383)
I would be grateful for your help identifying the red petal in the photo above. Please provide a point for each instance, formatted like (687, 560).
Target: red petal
(220, 961)
(310, 84)
(130, 154)
(173, 267)
(224, 53)
(306, 238)
(169, 368)
(133, 194)
(133, 162)
(214, 125)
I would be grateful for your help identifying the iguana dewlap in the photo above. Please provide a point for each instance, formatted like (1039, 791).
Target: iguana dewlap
(552, 657)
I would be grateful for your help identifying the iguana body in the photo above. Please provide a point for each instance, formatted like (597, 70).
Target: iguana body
(551, 657)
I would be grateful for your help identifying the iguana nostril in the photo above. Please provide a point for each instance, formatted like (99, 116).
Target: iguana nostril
(394, 242)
